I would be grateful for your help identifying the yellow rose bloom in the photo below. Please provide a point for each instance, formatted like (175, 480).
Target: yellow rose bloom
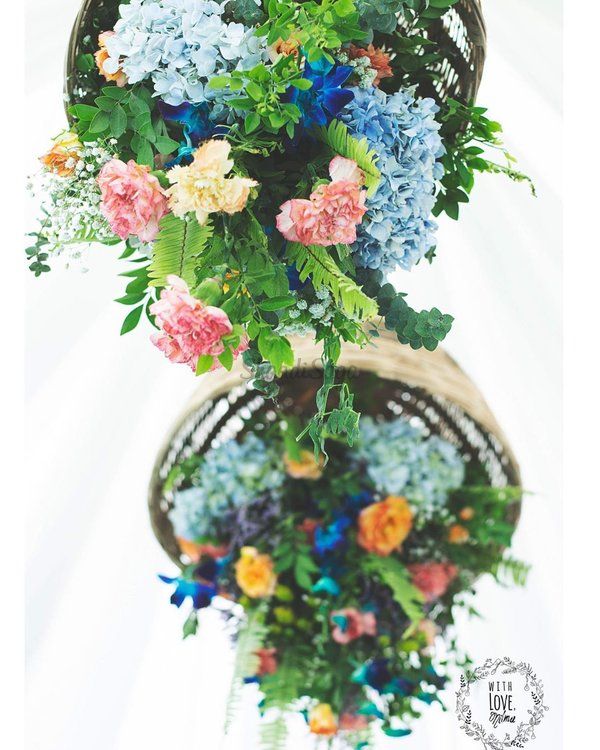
(254, 573)
(383, 526)
(306, 467)
(101, 57)
(322, 721)
(202, 188)
(63, 155)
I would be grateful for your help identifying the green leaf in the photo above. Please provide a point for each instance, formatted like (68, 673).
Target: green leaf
(100, 122)
(178, 249)
(165, 145)
(190, 626)
(303, 84)
(83, 112)
(276, 303)
(251, 122)
(226, 359)
(132, 319)
(276, 349)
(118, 121)
(144, 154)
(204, 364)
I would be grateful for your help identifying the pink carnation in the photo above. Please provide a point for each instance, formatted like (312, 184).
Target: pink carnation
(432, 579)
(133, 201)
(331, 215)
(189, 327)
(356, 624)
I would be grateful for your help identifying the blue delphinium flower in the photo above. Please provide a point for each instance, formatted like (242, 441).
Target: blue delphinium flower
(201, 594)
(398, 229)
(401, 460)
(332, 537)
(326, 98)
(231, 475)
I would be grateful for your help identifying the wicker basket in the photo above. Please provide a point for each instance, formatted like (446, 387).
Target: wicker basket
(389, 379)
(460, 34)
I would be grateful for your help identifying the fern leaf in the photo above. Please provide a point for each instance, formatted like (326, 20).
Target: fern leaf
(338, 138)
(177, 249)
(284, 686)
(250, 639)
(273, 734)
(315, 261)
(395, 575)
(511, 571)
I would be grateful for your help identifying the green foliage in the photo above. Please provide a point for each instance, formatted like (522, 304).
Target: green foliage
(317, 262)
(138, 293)
(285, 685)
(190, 626)
(37, 254)
(426, 328)
(262, 88)
(338, 138)
(509, 571)
(319, 27)
(127, 115)
(251, 636)
(467, 133)
(178, 248)
(293, 554)
(395, 575)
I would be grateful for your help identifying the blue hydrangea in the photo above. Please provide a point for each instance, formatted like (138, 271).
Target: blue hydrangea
(401, 460)
(229, 477)
(398, 229)
(181, 45)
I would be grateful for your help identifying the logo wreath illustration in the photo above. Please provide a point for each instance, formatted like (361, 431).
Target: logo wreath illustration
(525, 730)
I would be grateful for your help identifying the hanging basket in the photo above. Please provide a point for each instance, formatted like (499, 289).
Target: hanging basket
(389, 380)
(460, 34)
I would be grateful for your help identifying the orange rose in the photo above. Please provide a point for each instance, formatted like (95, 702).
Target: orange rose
(383, 526)
(284, 48)
(457, 534)
(379, 60)
(466, 514)
(101, 56)
(63, 155)
(322, 721)
(195, 551)
(306, 467)
(254, 573)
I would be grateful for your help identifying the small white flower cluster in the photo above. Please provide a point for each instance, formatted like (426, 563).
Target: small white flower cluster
(181, 45)
(71, 205)
(304, 316)
(362, 68)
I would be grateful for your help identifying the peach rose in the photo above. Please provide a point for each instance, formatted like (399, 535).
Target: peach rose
(355, 624)
(106, 66)
(195, 551)
(254, 573)
(457, 534)
(432, 578)
(306, 467)
(466, 514)
(322, 721)
(63, 155)
(379, 60)
(383, 526)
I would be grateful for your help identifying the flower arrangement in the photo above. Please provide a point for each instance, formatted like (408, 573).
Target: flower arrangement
(264, 167)
(338, 578)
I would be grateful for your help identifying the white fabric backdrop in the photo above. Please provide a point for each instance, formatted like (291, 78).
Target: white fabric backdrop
(106, 665)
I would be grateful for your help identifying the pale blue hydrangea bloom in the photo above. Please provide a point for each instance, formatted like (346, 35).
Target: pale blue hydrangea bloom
(181, 45)
(398, 229)
(230, 476)
(401, 460)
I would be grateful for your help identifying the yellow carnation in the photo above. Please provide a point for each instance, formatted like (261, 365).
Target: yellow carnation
(202, 188)
(254, 573)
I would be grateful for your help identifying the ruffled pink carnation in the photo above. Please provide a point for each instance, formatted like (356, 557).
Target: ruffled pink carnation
(331, 215)
(133, 201)
(189, 327)
(432, 579)
(355, 624)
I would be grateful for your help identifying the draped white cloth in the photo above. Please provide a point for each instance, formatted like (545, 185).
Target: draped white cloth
(106, 665)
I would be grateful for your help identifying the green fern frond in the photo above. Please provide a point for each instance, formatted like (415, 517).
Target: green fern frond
(285, 685)
(395, 575)
(177, 249)
(273, 734)
(251, 637)
(511, 572)
(316, 262)
(338, 138)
